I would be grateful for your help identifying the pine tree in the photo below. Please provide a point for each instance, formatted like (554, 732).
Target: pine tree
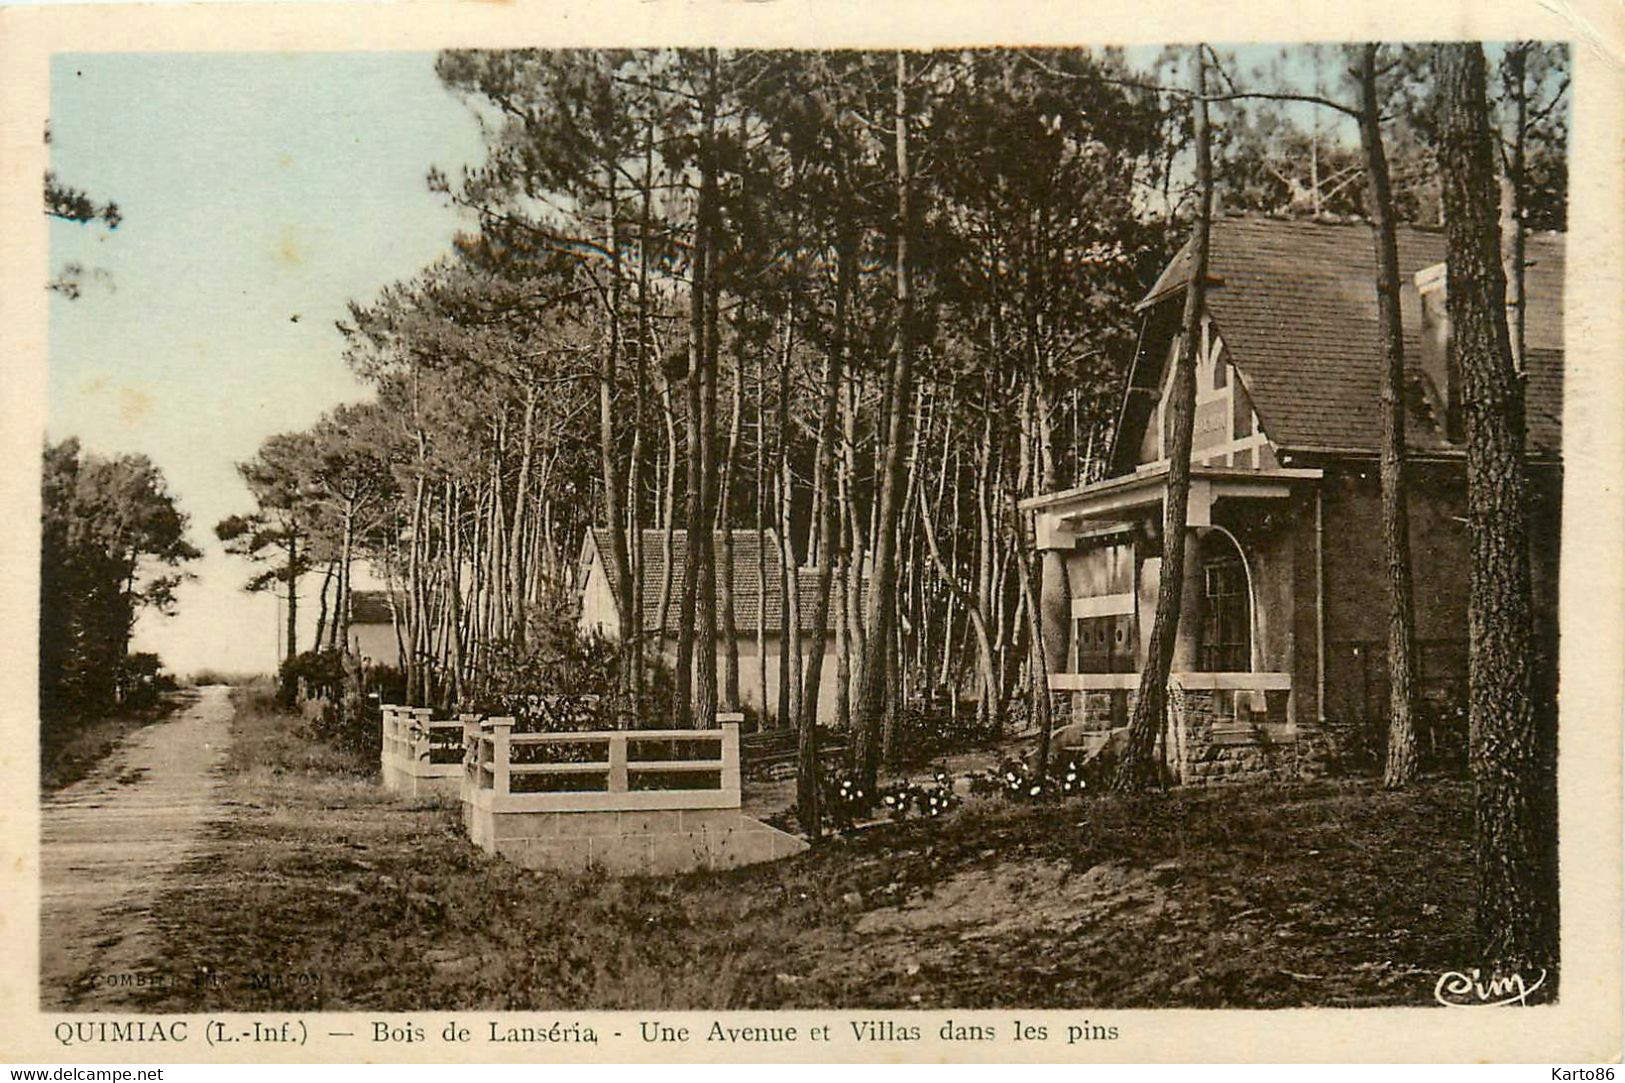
(1510, 748)
(1400, 768)
(1139, 768)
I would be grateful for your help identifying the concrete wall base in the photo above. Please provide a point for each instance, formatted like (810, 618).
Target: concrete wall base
(654, 843)
(412, 785)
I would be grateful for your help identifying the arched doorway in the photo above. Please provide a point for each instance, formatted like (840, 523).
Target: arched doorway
(1225, 632)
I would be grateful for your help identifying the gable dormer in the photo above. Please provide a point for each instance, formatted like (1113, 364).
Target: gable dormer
(1294, 332)
(1226, 430)
(1443, 381)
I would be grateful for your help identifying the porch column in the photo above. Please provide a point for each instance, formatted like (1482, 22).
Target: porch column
(1190, 607)
(1054, 608)
(1054, 538)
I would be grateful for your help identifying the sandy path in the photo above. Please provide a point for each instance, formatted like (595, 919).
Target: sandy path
(109, 842)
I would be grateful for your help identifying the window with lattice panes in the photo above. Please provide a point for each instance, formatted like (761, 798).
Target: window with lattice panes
(1226, 643)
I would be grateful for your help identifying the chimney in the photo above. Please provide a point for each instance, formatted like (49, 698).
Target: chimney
(1438, 364)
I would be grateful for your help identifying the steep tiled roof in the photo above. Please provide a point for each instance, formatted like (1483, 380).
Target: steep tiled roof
(1295, 303)
(755, 566)
(370, 607)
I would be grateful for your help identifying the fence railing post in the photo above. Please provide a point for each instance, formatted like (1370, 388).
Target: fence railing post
(501, 730)
(730, 758)
(415, 735)
(471, 748)
(617, 763)
(385, 724)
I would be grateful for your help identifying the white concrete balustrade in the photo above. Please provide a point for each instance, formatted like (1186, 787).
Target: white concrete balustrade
(419, 754)
(626, 801)
(612, 770)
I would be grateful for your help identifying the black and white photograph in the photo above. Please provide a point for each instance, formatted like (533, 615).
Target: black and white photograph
(930, 542)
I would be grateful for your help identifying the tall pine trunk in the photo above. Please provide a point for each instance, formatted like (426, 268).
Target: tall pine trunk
(872, 696)
(705, 673)
(1139, 768)
(1400, 769)
(292, 579)
(789, 587)
(990, 706)
(516, 551)
(827, 508)
(827, 512)
(668, 509)
(620, 565)
(761, 536)
(683, 698)
(1510, 747)
(789, 623)
(725, 542)
(418, 662)
(321, 612)
(844, 576)
(1513, 235)
(452, 691)
(1028, 577)
(858, 568)
(346, 556)
(643, 354)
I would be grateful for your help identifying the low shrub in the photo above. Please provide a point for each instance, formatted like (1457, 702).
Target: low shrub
(931, 727)
(1071, 776)
(311, 675)
(903, 799)
(559, 680)
(141, 681)
(340, 697)
(846, 802)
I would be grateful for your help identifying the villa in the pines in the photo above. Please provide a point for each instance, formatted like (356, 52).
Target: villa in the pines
(1283, 622)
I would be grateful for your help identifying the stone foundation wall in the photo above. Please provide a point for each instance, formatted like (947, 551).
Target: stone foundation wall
(1213, 735)
(1216, 737)
(1244, 763)
(1102, 710)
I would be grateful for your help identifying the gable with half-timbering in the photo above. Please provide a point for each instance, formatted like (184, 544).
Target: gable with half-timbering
(1226, 430)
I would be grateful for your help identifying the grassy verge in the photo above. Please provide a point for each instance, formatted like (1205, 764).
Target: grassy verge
(70, 748)
(322, 893)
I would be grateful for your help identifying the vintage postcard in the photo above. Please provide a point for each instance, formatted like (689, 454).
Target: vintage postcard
(812, 532)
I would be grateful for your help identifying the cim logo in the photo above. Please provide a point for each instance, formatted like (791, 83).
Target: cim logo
(1455, 989)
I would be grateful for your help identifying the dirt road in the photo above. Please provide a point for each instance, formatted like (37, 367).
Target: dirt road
(110, 841)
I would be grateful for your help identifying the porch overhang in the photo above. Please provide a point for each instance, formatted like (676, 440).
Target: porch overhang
(1062, 518)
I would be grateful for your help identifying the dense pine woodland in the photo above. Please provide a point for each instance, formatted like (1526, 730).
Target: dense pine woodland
(861, 302)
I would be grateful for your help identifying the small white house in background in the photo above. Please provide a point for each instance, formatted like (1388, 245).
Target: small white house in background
(372, 629)
(756, 571)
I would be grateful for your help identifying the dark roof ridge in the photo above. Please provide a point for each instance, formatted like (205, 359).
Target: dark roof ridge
(1247, 214)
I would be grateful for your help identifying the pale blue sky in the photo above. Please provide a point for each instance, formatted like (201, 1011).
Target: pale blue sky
(254, 188)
